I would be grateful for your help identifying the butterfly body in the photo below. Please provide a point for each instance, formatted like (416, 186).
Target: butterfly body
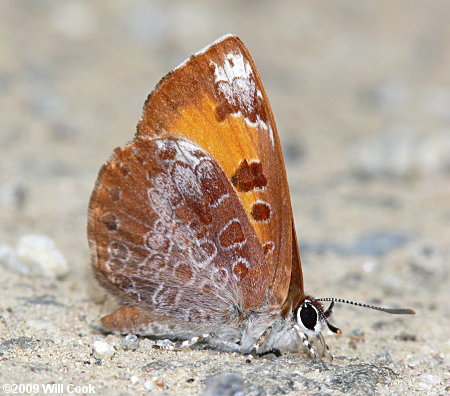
(238, 334)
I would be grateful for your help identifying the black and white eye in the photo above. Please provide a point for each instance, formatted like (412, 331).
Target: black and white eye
(308, 316)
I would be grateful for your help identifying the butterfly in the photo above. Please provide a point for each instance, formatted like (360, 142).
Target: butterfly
(190, 224)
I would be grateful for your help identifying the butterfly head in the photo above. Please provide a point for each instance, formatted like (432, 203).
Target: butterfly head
(311, 317)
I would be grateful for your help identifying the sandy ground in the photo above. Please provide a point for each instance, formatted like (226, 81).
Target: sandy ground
(360, 91)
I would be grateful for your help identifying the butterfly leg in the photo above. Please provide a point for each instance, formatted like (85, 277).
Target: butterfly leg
(305, 341)
(326, 350)
(215, 342)
(225, 345)
(275, 352)
(167, 345)
(260, 341)
(173, 346)
(195, 340)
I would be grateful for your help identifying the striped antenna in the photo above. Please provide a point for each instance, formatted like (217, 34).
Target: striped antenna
(396, 311)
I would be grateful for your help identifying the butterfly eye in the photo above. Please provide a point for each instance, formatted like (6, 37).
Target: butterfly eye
(308, 315)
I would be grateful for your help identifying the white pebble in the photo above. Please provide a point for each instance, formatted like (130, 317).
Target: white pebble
(425, 380)
(134, 379)
(148, 385)
(130, 342)
(35, 255)
(103, 351)
(8, 258)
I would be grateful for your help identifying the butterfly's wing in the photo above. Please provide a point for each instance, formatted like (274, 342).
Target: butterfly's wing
(167, 232)
(216, 99)
(296, 293)
(193, 218)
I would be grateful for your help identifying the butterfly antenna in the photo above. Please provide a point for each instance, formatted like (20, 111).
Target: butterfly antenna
(395, 311)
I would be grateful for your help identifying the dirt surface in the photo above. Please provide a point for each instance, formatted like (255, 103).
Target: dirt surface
(360, 91)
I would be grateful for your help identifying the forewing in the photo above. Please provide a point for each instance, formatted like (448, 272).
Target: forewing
(167, 232)
(216, 99)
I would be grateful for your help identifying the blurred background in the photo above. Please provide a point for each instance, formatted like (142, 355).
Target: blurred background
(359, 89)
(360, 93)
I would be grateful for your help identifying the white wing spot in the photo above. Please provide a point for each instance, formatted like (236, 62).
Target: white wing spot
(234, 80)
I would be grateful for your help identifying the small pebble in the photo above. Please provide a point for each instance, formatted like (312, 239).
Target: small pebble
(130, 342)
(9, 259)
(148, 385)
(159, 383)
(370, 266)
(42, 256)
(426, 380)
(164, 344)
(35, 255)
(102, 350)
(134, 379)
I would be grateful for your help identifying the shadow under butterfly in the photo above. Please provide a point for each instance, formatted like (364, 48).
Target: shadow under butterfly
(190, 225)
